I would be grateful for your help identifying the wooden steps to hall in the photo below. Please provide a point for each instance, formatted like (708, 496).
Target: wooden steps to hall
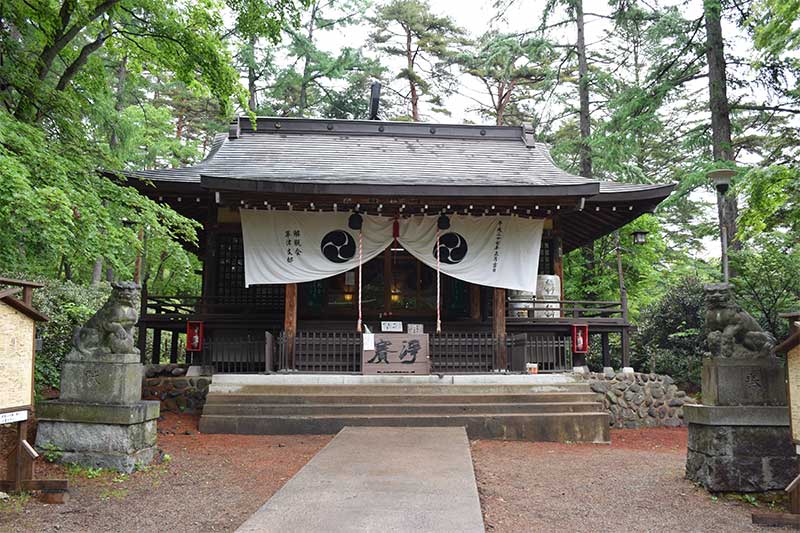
(565, 412)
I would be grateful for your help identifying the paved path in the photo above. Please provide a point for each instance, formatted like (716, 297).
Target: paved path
(379, 479)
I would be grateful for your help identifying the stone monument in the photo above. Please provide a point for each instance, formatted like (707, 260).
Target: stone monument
(739, 438)
(100, 419)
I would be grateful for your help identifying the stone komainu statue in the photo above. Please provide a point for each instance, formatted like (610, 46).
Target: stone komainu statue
(732, 332)
(110, 330)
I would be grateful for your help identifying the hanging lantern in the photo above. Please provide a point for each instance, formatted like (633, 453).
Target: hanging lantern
(721, 178)
(640, 237)
(356, 221)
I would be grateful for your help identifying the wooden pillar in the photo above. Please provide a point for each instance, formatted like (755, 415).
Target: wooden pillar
(474, 301)
(290, 322)
(156, 346)
(606, 349)
(173, 347)
(499, 328)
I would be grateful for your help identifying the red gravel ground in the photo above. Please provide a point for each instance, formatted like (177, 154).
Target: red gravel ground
(210, 483)
(635, 484)
(214, 482)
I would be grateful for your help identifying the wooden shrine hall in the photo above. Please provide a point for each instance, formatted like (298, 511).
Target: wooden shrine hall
(398, 176)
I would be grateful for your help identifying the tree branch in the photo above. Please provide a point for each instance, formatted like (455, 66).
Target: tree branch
(751, 107)
(81, 60)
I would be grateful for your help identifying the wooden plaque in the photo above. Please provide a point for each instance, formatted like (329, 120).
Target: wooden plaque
(793, 377)
(397, 353)
(17, 344)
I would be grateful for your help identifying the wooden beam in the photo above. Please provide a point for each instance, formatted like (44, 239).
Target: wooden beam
(173, 347)
(156, 356)
(474, 301)
(290, 322)
(499, 328)
(776, 519)
(606, 349)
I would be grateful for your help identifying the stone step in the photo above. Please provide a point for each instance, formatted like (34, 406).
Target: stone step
(551, 427)
(393, 398)
(400, 409)
(397, 389)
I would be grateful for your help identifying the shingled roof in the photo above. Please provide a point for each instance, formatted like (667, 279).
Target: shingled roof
(289, 155)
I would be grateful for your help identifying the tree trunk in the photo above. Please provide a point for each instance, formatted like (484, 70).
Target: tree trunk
(412, 84)
(251, 76)
(722, 147)
(119, 102)
(583, 94)
(306, 68)
(97, 272)
(585, 130)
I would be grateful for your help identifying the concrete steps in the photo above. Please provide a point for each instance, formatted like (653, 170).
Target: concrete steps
(561, 412)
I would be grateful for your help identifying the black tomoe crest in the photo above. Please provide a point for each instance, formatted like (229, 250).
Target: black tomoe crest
(452, 248)
(338, 246)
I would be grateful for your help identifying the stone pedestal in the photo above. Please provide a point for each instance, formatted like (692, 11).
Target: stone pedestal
(728, 381)
(739, 439)
(119, 437)
(100, 419)
(739, 449)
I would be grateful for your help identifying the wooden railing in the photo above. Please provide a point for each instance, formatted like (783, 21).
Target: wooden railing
(462, 352)
(245, 355)
(530, 309)
(177, 306)
(337, 351)
(553, 353)
(322, 351)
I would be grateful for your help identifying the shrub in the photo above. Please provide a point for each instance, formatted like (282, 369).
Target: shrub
(671, 334)
(67, 305)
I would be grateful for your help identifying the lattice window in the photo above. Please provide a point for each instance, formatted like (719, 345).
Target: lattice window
(546, 263)
(230, 277)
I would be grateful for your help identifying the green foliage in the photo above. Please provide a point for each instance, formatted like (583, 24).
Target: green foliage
(67, 305)
(88, 472)
(768, 280)
(514, 70)
(410, 31)
(51, 452)
(671, 338)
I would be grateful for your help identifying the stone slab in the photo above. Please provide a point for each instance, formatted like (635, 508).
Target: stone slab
(120, 462)
(114, 383)
(744, 415)
(95, 413)
(103, 438)
(78, 357)
(379, 479)
(236, 382)
(728, 381)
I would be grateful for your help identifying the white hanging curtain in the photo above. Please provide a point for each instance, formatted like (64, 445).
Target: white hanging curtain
(497, 251)
(296, 246)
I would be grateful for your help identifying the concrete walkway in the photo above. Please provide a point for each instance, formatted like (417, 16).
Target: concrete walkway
(379, 479)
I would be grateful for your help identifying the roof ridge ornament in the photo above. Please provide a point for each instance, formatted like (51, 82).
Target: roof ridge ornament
(235, 129)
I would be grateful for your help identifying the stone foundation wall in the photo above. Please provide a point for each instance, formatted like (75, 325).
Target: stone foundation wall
(176, 391)
(638, 400)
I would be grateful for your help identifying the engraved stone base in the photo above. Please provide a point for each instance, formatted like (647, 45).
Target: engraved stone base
(117, 437)
(744, 381)
(109, 383)
(739, 449)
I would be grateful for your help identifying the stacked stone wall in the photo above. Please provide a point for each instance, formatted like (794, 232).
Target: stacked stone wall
(639, 400)
(175, 391)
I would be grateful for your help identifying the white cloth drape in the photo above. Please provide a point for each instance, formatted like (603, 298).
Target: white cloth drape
(296, 246)
(493, 251)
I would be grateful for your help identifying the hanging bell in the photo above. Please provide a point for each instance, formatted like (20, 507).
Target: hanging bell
(443, 223)
(355, 221)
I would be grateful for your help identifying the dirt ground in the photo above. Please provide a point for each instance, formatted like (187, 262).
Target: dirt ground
(214, 482)
(209, 483)
(635, 484)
